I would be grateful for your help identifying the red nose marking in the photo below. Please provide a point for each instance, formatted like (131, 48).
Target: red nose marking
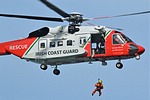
(140, 50)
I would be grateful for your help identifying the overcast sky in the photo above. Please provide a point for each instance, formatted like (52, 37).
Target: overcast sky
(21, 80)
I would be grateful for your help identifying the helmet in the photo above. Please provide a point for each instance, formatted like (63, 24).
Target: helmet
(100, 81)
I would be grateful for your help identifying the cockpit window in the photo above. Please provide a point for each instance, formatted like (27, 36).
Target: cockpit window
(117, 39)
(126, 38)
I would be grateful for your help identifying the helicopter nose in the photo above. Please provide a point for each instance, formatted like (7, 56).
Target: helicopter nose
(136, 49)
(133, 49)
(140, 49)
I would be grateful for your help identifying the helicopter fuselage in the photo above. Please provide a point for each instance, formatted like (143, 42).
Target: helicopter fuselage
(56, 46)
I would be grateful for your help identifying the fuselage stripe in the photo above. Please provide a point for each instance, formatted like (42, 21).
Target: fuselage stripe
(32, 45)
(107, 34)
(86, 42)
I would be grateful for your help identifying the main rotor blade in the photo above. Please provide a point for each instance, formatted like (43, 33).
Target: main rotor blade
(138, 13)
(56, 9)
(91, 24)
(32, 17)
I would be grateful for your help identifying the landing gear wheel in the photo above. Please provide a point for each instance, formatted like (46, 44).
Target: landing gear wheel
(104, 63)
(119, 65)
(43, 66)
(56, 71)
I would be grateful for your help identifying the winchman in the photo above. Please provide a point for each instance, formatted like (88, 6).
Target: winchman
(98, 88)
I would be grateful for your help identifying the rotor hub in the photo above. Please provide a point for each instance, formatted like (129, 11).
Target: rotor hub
(75, 19)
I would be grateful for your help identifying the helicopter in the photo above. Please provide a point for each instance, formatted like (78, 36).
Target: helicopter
(72, 43)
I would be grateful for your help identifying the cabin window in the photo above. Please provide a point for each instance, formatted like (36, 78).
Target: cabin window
(52, 44)
(82, 41)
(117, 39)
(94, 45)
(60, 43)
(69, 42)
(42, 45)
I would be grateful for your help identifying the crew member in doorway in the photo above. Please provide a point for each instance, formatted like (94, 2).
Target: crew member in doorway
(98, 88)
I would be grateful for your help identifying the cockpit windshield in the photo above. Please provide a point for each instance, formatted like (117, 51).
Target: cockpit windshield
(126, 38)
(117, 39)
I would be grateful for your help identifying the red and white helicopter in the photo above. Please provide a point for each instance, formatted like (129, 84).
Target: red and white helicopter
(73, 43)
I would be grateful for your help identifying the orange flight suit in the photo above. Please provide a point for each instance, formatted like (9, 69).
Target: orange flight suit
(98, 88)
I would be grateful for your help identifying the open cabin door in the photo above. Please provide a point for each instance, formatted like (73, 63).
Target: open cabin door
(97, 44)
